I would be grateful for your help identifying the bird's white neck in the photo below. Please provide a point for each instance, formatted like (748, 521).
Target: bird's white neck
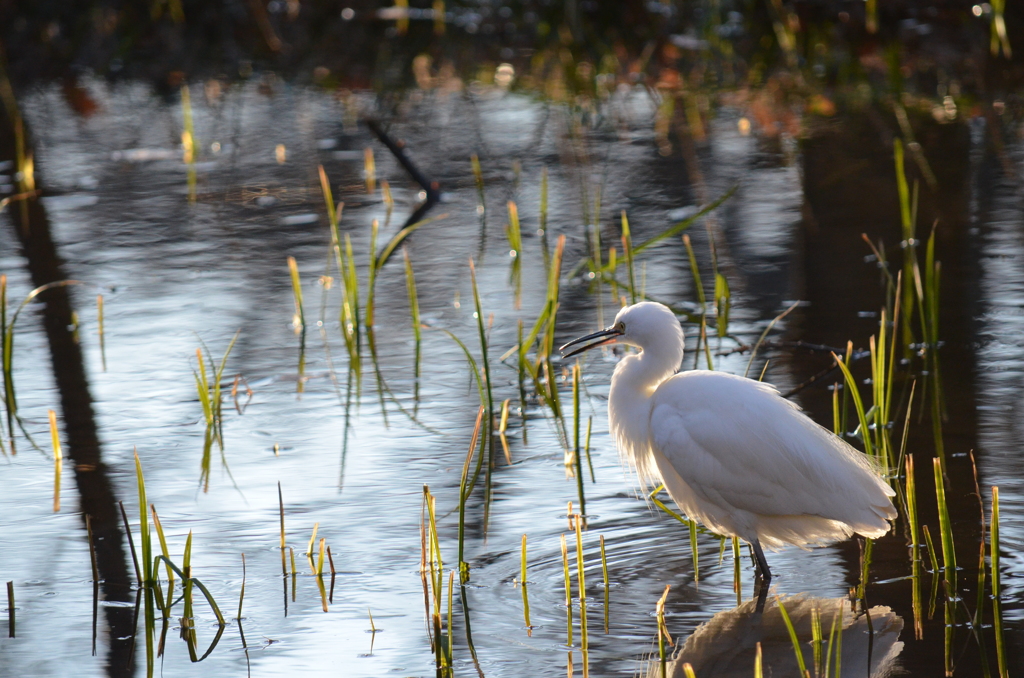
(634, 382)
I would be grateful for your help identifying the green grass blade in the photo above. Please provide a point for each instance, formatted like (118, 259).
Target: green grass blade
(681, 226)
(627, 248)
(144, 536)
(945, 527)
(695, 272)
(997, 612)
(723, 303)
(399, 237)
(851, 387)
(792, 636)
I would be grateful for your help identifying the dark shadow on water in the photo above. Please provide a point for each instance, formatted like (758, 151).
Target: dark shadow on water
(97, 498)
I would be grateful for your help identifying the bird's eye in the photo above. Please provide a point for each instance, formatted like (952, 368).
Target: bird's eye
(621, 327)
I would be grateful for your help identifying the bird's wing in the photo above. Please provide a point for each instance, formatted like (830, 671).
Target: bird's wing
(739, 444)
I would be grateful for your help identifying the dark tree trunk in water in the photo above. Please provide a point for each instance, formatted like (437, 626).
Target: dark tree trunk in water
(29, 220)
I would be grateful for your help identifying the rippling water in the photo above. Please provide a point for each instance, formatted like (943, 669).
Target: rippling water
(175, 276)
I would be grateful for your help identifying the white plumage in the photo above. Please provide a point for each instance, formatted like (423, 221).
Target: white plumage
(731, 451)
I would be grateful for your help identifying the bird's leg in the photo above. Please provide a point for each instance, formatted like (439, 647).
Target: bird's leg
(762, 563)
(761, 591)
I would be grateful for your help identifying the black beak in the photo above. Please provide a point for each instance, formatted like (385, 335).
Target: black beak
(606, 336)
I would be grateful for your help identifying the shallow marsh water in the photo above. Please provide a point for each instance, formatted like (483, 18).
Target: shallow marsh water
(175, 274)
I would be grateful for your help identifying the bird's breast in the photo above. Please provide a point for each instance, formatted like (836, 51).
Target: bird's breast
(629, 420)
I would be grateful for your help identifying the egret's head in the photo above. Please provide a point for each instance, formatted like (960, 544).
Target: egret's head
(645, 325)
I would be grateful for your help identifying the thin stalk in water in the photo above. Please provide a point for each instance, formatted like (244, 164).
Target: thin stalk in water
(188, 142)
(478, 176)
(144, 535)
(369, 170)
(663, 634)
(997, 602)
(736, 584)
(604, 574)
(695, 272)
(581, 584)
(58, 460)
(627, 248)
(502, 427)
(577, 456)
(414, 312)
(166, 554)
(488, 422)
(865, 567)
(946, 529)
(792, 636)
(515, 241)
(312, 540)
(389, 201)
(523, 582)
(586, 449)
(521, 373)
(298, 322)
(543, 220)
(188, 621)
(851, 388)
(465, 489)
(816, 639)
(915, 546)
(99, 330)
(241, 594)
(568, 591)
(6, 367)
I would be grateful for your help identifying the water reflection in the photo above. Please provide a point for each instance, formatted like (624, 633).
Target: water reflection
(97, 502)
(726, 645)
(220, 266)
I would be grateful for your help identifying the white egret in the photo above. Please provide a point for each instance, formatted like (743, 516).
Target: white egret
(733, 453)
